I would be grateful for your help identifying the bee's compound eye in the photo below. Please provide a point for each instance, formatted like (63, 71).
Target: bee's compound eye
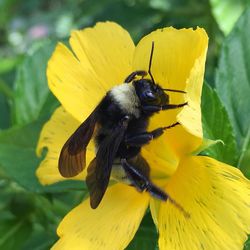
(149, 95)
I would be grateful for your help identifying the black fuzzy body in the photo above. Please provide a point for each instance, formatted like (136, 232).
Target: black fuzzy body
(119, 127)
(110, 113)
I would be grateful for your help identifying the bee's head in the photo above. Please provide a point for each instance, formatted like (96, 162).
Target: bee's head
(147, 90)
(150, 93)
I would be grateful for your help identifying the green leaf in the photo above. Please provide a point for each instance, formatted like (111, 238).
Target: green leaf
(233, 85)
(33, 104)
(146, 237)
(4, 114)
(8, 64)
(244, 159)
(227, 12)
(6, 90)
(39, 240)
(19, 161)
(6, 11)
(31, 90)
(247, 244)
(14, 233)
(216, 126)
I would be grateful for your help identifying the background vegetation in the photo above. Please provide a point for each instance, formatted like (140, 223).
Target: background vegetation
(30, 213)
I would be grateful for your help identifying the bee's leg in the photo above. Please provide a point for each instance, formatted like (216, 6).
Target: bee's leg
(132, 76)
(139, 140)
(144, 138)
(173, 106)
(149, 109)
(157, 108)
(142, 182)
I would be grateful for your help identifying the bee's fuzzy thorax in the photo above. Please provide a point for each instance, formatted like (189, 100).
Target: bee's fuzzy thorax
(125, 96)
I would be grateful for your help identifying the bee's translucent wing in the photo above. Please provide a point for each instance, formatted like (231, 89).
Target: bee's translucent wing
(72, 158)
(99, 169)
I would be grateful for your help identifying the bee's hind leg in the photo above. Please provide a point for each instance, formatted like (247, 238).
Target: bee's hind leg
(141, 180)
(138, 176)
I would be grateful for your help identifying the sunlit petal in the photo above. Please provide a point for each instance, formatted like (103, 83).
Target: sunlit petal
(161, 158)
(75, 86)
(109, 227)
(108, 48)
(217, 197)
(53, 136)
(178, 63)
(154, 209)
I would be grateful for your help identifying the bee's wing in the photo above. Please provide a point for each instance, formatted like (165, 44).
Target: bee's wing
(72, 158)
(100, 168)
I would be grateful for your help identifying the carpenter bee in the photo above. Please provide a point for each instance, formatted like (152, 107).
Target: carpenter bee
(119, 127)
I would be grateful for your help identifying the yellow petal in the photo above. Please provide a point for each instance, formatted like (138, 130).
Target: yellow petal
(217, 197)
(108, 48)
(74, 85)
(155, 205)
(190, 115)
(174, 55)
(109, 227)
(161, 159)
(53, 136)
(178, 63)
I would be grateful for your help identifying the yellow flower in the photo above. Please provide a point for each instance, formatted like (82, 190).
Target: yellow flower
(216, 196)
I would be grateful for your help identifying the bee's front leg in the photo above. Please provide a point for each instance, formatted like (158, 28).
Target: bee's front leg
(150, 109)
(132, 76)
(156, 108)
(173, 106)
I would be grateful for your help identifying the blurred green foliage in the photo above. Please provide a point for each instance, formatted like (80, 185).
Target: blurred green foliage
(30, 213)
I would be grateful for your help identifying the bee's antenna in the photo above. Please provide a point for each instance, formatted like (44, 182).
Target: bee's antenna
(150, 62)
(149, 71)
(175, 90)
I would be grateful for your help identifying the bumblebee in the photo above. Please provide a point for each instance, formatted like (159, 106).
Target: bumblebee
(119, 127)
